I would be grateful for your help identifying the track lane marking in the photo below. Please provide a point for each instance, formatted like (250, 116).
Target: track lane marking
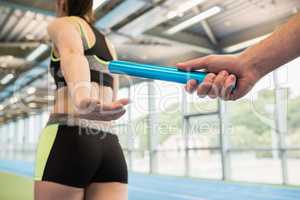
(186, 197)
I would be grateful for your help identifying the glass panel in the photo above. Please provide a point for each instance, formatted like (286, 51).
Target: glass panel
(140, 161)
(293, 167)
(289, 78)
(293, 136)
(31, 130)
(11, 133)
(252, 118)
(123, 94)
(140, 134)
(3, 144)
(264, 167)
(19, 139)
(139, 97)
(199, 105)
(205, 164)
(171, 163)
(204, 131)
(168, 101)
(45, 117)
(122, 132)
(168, 97)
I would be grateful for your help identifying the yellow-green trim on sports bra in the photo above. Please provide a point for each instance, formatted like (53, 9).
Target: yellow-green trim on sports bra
(53, 58)
(83, 34)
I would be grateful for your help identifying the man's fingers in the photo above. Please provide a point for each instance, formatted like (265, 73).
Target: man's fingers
(213, 91)
(191, 86)
(185, 88)
(242, 88)
(229, 85)
(195, 64)
(218, 84)
(206, 85)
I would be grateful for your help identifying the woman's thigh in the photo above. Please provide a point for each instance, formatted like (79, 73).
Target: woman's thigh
(104, 191)
(44, 190)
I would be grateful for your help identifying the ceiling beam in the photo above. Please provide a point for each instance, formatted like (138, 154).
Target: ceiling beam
(4, 23)
(154, 17)
(250, 34)
(194, 42)
(244, 45)
(120, 39)
(209, 32)
(151, 30)
(8, 33)
(192, 47)
(121, 12)
(25, 8)
(21, 45)
(26, 78)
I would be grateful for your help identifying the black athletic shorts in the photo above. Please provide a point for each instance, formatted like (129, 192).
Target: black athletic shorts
(76, 156)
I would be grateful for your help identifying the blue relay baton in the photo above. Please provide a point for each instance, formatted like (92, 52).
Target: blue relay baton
(156, 72)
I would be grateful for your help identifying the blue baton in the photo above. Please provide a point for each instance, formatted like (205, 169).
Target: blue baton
(155, 72)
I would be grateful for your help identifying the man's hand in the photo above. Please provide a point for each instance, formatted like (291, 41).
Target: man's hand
(95, 110)
(225, 71)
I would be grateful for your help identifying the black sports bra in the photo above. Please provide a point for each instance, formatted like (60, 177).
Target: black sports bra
(97, 57)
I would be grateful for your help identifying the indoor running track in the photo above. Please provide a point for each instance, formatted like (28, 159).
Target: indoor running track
(144, 187)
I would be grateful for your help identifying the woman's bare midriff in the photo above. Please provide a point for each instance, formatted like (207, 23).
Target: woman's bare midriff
(64, 103)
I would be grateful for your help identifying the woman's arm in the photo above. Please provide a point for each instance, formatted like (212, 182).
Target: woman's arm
(74, 65)
(75, 69)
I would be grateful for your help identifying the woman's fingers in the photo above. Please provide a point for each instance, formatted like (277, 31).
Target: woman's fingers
(124, 102)
(104, 112)
(206, 85)
(108, 112)
(119, 114)
(118, 104)
(106, 115)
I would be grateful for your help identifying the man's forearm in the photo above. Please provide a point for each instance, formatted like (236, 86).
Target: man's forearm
(278, 49)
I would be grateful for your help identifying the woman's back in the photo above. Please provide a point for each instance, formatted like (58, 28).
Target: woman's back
(97, 51)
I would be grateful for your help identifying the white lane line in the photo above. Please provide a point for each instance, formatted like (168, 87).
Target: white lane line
(186, 197)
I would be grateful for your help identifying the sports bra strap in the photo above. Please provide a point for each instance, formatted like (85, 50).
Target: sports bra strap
(83, 33)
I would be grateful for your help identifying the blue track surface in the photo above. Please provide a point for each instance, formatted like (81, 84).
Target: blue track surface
(143, 187)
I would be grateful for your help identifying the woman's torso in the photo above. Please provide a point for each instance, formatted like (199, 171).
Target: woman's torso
(97, 52)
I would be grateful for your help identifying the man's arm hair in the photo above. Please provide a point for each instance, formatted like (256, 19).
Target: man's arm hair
(278, 49)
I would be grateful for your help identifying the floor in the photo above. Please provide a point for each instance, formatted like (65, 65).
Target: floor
(16, 175)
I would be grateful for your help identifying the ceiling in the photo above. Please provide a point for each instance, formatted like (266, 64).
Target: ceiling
(137, 28)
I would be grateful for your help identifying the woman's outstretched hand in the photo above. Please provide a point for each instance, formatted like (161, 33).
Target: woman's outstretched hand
(229, 78)
(93, 109)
